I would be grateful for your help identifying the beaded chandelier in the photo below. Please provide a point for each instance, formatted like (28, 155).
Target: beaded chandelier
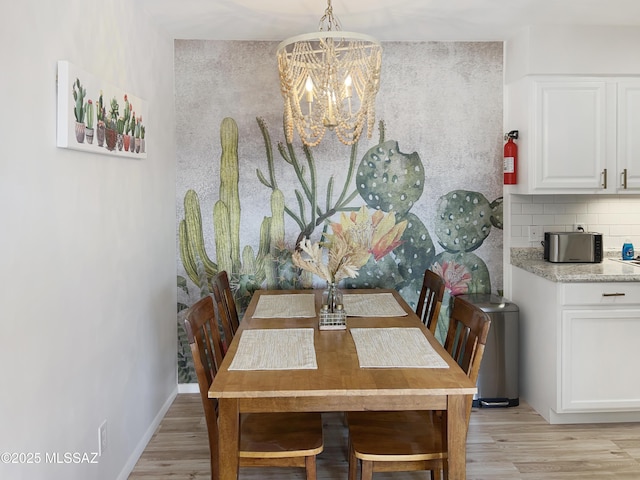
(329, 79)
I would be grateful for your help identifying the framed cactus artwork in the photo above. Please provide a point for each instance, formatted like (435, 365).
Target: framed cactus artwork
(96, 117)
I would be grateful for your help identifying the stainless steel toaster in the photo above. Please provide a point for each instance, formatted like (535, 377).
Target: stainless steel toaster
(573, 247)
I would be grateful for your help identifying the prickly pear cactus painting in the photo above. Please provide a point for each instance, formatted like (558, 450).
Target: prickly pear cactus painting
(392, 181)
(463, 222)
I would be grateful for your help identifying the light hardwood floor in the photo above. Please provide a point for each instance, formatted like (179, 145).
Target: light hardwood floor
(503, 444)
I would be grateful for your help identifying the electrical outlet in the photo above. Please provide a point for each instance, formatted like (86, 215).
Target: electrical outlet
(579, 227)
(102, 438)
(535, 233)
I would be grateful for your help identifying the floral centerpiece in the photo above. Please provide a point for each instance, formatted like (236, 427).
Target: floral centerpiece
(345, 254)
(354, 240)
(344, 257)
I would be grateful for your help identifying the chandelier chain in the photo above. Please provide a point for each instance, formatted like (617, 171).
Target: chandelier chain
(329, 19)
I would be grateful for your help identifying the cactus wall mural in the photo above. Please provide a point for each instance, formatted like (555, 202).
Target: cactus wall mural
(255, 196)
(387, 180)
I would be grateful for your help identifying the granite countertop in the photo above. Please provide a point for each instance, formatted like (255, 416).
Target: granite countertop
(610, 270)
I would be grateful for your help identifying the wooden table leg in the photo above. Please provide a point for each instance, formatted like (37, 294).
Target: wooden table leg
(229, 438)
(457, 437)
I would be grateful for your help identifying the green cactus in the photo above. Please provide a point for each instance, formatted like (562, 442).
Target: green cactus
(248, 273)
(89, 113)
(414, 256)
(276, 237)
(463, 220)
(221, 226)
(479, 280)
(496, 213)
(463, 272)
(193, 238)
(288, 276)
(100, 109)
(390, 180)
(187, 253)
(381, 274)
(127, 109)
(229, 176)
(308, 219)
(112, 121)
(79, 92)
(136, 128)
(120, 125)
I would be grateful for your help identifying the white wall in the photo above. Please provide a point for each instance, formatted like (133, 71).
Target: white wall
(572, 50)
(87, 270)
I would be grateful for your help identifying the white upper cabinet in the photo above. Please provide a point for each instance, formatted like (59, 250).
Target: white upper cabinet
(628, 136)
(570, 134)
(576, 134)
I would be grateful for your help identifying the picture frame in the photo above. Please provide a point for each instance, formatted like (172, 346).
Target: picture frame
(96, 117)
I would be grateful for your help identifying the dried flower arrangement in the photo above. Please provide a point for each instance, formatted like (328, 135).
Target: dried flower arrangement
(354, 240)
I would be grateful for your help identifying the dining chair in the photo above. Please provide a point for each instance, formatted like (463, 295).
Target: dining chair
(266, 439)
(225, 301)
(416, 440)
(430, 299)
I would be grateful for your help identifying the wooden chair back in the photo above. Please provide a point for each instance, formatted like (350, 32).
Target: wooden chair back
(467, 337)
(226, 303)
(417, 440)
(266, 440)
(203, 334)
(430, 300)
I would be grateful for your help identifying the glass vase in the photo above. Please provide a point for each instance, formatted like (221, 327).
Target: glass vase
(332, 298)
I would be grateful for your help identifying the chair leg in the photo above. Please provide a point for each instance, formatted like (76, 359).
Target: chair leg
(310, 467)
(353, 463)
(366, 470)
(214, 470)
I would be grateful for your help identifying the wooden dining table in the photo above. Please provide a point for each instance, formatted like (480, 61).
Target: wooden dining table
(339, 383)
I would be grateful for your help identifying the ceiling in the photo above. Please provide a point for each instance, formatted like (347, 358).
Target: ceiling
(387, 20)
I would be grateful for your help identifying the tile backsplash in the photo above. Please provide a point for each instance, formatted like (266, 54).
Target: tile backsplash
(617, 217)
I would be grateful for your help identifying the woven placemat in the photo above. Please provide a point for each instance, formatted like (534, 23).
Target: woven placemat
(275, 349)
(395, 347)
(286, 306)
(372, 305)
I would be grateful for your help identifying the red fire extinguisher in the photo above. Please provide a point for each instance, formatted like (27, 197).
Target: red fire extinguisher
(510, 164)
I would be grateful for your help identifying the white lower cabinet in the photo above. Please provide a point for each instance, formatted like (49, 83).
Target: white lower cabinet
(599, 359)
(579, 348)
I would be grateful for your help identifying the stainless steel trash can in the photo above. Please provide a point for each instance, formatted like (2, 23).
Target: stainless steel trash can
(498, 377)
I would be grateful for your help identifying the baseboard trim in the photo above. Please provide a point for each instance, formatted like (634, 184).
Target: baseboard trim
(592, 417)
(144, 441)
(188, 388)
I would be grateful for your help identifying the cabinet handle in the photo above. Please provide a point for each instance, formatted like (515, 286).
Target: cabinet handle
(613, 294)
(604, 178)
(624, 178)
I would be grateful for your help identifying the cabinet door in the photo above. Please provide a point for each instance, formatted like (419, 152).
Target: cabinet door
(570, 148)
(628, 136)
(599, 360)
